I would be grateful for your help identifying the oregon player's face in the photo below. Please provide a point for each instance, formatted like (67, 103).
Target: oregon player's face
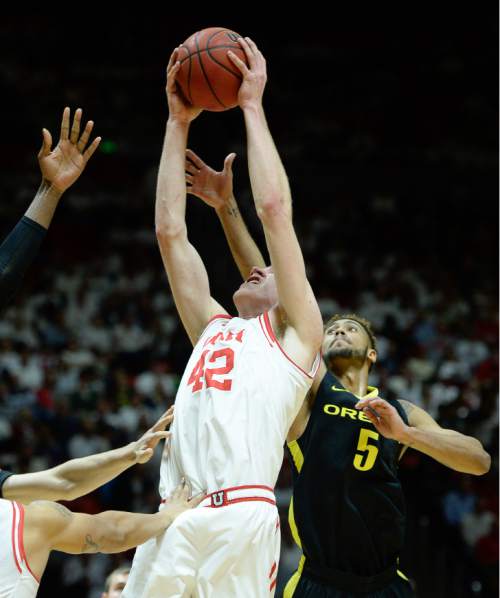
(258, 293)
(345, 339)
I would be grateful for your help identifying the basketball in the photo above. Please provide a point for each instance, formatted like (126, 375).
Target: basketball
(207, 77)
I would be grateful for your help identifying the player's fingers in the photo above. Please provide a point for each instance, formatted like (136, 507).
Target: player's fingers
(228, 162)
(65, 124)
(191, 168)
(189, 179)
(380, 404)
(196, 499)
(240, 65)
(195, 159)
(91, 148)
(166, 415)
(46, 143)
(370, 415)
(161, 434)
(252, 45)
(82, 142)
(75, 129)
(171, 76)
(173, 58)
(249, 53)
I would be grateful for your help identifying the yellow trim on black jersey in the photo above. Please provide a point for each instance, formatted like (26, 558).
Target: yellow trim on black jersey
(372, 392)
(297, 456)
(293, 526)
(401, 574)
(293, 582)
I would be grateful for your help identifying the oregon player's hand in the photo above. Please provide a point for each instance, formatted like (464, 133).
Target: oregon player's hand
(384, 417)
(213, 187)
(62, 166)
(144, 447)
(179, 109)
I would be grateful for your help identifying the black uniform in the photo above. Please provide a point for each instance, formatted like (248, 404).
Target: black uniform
(347, 511)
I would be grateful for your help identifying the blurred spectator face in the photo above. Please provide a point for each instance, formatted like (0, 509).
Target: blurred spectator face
(115, 583)
(346, 339)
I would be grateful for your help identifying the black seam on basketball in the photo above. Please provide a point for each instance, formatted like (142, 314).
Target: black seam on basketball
(204, 73)
(237, 75)
(237, 47)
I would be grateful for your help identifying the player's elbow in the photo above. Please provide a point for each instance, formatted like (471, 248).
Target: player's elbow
(169, 232)
(273, 208)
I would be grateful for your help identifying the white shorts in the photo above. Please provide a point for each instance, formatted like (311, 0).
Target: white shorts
(223, 551)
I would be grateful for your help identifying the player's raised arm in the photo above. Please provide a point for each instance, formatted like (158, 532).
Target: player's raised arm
(272, 197)
(60, 168)
(216, 190)
(185, 270)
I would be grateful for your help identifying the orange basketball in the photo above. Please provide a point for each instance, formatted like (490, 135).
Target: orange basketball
(207, 77)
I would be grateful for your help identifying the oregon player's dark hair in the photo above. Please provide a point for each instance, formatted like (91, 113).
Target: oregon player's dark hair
(361, 321)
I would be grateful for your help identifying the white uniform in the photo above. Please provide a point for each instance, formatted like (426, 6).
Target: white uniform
(16, 578)
(236, 401)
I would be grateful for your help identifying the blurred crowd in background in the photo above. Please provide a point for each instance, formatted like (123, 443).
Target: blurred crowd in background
(391, 149)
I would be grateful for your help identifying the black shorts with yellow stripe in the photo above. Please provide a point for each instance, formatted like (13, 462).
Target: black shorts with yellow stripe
(308, 582)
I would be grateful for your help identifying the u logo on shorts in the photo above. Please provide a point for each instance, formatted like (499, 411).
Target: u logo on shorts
(218, 498)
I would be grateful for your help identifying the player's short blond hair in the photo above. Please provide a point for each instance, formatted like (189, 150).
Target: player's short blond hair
(361, 321)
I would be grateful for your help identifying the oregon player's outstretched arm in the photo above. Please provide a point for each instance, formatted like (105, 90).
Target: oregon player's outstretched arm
(50, 526)
(216, 190)
(271, 193)
(80, 476)
(185, 270)
(423, 433)
(60, 168)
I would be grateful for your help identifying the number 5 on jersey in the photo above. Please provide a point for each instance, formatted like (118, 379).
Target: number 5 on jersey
(210, 376)
(367, 453)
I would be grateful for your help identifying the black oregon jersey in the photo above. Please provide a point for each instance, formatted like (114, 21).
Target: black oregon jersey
(347, 511)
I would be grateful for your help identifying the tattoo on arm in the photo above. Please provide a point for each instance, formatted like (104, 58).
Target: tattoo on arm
(233, 211)
(90, 545)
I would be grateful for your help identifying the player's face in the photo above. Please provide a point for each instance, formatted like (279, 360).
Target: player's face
(118, 582)
(258, 293)
(346, 339)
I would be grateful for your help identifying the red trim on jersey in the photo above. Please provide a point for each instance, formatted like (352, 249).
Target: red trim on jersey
(269, 327)
(216, 317)
(20, 540)
(264, 331)
(273, 569)
(13, 538)
(227, 316)
(245, 488)
(230, 501)
(271, 587)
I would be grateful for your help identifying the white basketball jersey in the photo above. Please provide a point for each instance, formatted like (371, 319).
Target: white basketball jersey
(236, 401)
(16, 579)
